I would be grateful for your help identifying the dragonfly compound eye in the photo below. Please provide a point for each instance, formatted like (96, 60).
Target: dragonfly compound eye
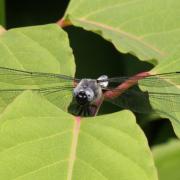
(82, 98)
(103, 81)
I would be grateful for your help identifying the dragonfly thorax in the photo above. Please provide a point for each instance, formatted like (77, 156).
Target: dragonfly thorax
(87, 91)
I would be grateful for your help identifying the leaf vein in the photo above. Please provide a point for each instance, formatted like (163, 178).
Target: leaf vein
(92, 167)
(121, 5)
(36, 140)
(36, 42)
(130, 36)
(43, 167)
(127, 157)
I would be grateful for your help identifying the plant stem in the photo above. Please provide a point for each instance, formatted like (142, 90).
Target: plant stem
(111, 94)
(64, 23)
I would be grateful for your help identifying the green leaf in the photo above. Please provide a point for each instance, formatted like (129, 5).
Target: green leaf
(40, 141)
(39, 49)
(138, 27)
(167, 160)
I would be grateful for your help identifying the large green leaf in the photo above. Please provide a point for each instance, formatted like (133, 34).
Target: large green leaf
(167, 160)
(40, 141)
(148, 29)
(40, 49)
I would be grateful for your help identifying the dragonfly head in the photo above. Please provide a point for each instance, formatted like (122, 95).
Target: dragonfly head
(88, 91)
(84, 96)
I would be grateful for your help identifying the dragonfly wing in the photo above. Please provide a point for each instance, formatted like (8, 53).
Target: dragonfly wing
(161, 80)
(135, 101)
(26, 78)
(63, 98)
(60, 96)
(165, 101)
(145, 102)
(158, 80)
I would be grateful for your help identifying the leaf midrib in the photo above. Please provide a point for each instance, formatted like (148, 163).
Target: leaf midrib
(128, 35)
(72, 156)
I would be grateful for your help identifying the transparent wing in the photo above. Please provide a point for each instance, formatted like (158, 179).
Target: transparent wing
(20, 77)
(158, 80)
(60, 96)
(145, 102)
(56, 88)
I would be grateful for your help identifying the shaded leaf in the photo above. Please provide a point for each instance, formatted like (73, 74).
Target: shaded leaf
(2, 12)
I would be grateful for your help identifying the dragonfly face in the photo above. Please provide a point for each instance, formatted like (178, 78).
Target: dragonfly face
(89, 91)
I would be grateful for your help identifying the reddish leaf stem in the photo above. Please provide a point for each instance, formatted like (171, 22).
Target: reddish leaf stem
(2, 30)
(111, 94)
(64, 23)
(75, 137)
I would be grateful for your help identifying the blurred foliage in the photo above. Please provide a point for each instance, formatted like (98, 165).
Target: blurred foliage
(167, 160)
(2, 12)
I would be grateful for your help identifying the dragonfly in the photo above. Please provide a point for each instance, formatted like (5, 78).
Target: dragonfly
(88, 94)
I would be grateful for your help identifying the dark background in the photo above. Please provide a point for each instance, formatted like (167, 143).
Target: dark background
(94, 56)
